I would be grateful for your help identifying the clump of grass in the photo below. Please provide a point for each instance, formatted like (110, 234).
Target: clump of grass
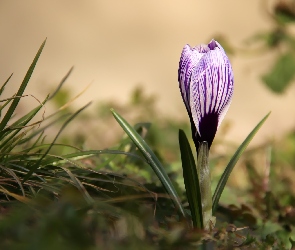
(27, 165)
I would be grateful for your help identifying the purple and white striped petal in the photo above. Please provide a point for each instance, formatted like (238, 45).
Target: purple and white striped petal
(188, 60)
(206, 83)
(211, 90)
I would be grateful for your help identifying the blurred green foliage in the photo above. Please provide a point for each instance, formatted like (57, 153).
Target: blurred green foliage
(281, 40)
(282, 73)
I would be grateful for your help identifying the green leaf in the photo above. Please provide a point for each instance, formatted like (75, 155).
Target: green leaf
(281, 74)
(191, 180)
(152, 160)
(223, 180)
(21, 90)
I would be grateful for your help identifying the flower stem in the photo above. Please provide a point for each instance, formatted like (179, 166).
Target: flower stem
(205, 185)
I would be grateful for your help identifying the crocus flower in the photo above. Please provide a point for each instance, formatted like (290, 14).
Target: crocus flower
(206, 84)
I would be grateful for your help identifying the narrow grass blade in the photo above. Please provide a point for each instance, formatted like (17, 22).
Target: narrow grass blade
(3, 86)
(42, 129)
(152, 160)
(80, 186)
(223, 180)
(20, 198)
(57, 160)
(191, 180)
(61, 83)
(13, 142)
(21, 90)
(15, 177)
(17, 126)
(139, 128)
(36, 165)
(7, 101)
(29, 116)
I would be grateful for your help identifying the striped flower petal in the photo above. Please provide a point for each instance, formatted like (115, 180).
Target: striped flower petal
(189, 58)
(206, 84)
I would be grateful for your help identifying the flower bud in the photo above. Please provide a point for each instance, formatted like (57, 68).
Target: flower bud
(206, 84)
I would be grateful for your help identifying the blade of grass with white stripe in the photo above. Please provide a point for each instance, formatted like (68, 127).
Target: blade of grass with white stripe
(152, 160)
(191, 181)
(223, 180)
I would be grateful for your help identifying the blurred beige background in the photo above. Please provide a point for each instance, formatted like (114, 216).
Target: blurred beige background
(120, 44)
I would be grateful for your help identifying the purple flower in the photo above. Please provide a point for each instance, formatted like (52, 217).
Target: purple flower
(206, 84)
